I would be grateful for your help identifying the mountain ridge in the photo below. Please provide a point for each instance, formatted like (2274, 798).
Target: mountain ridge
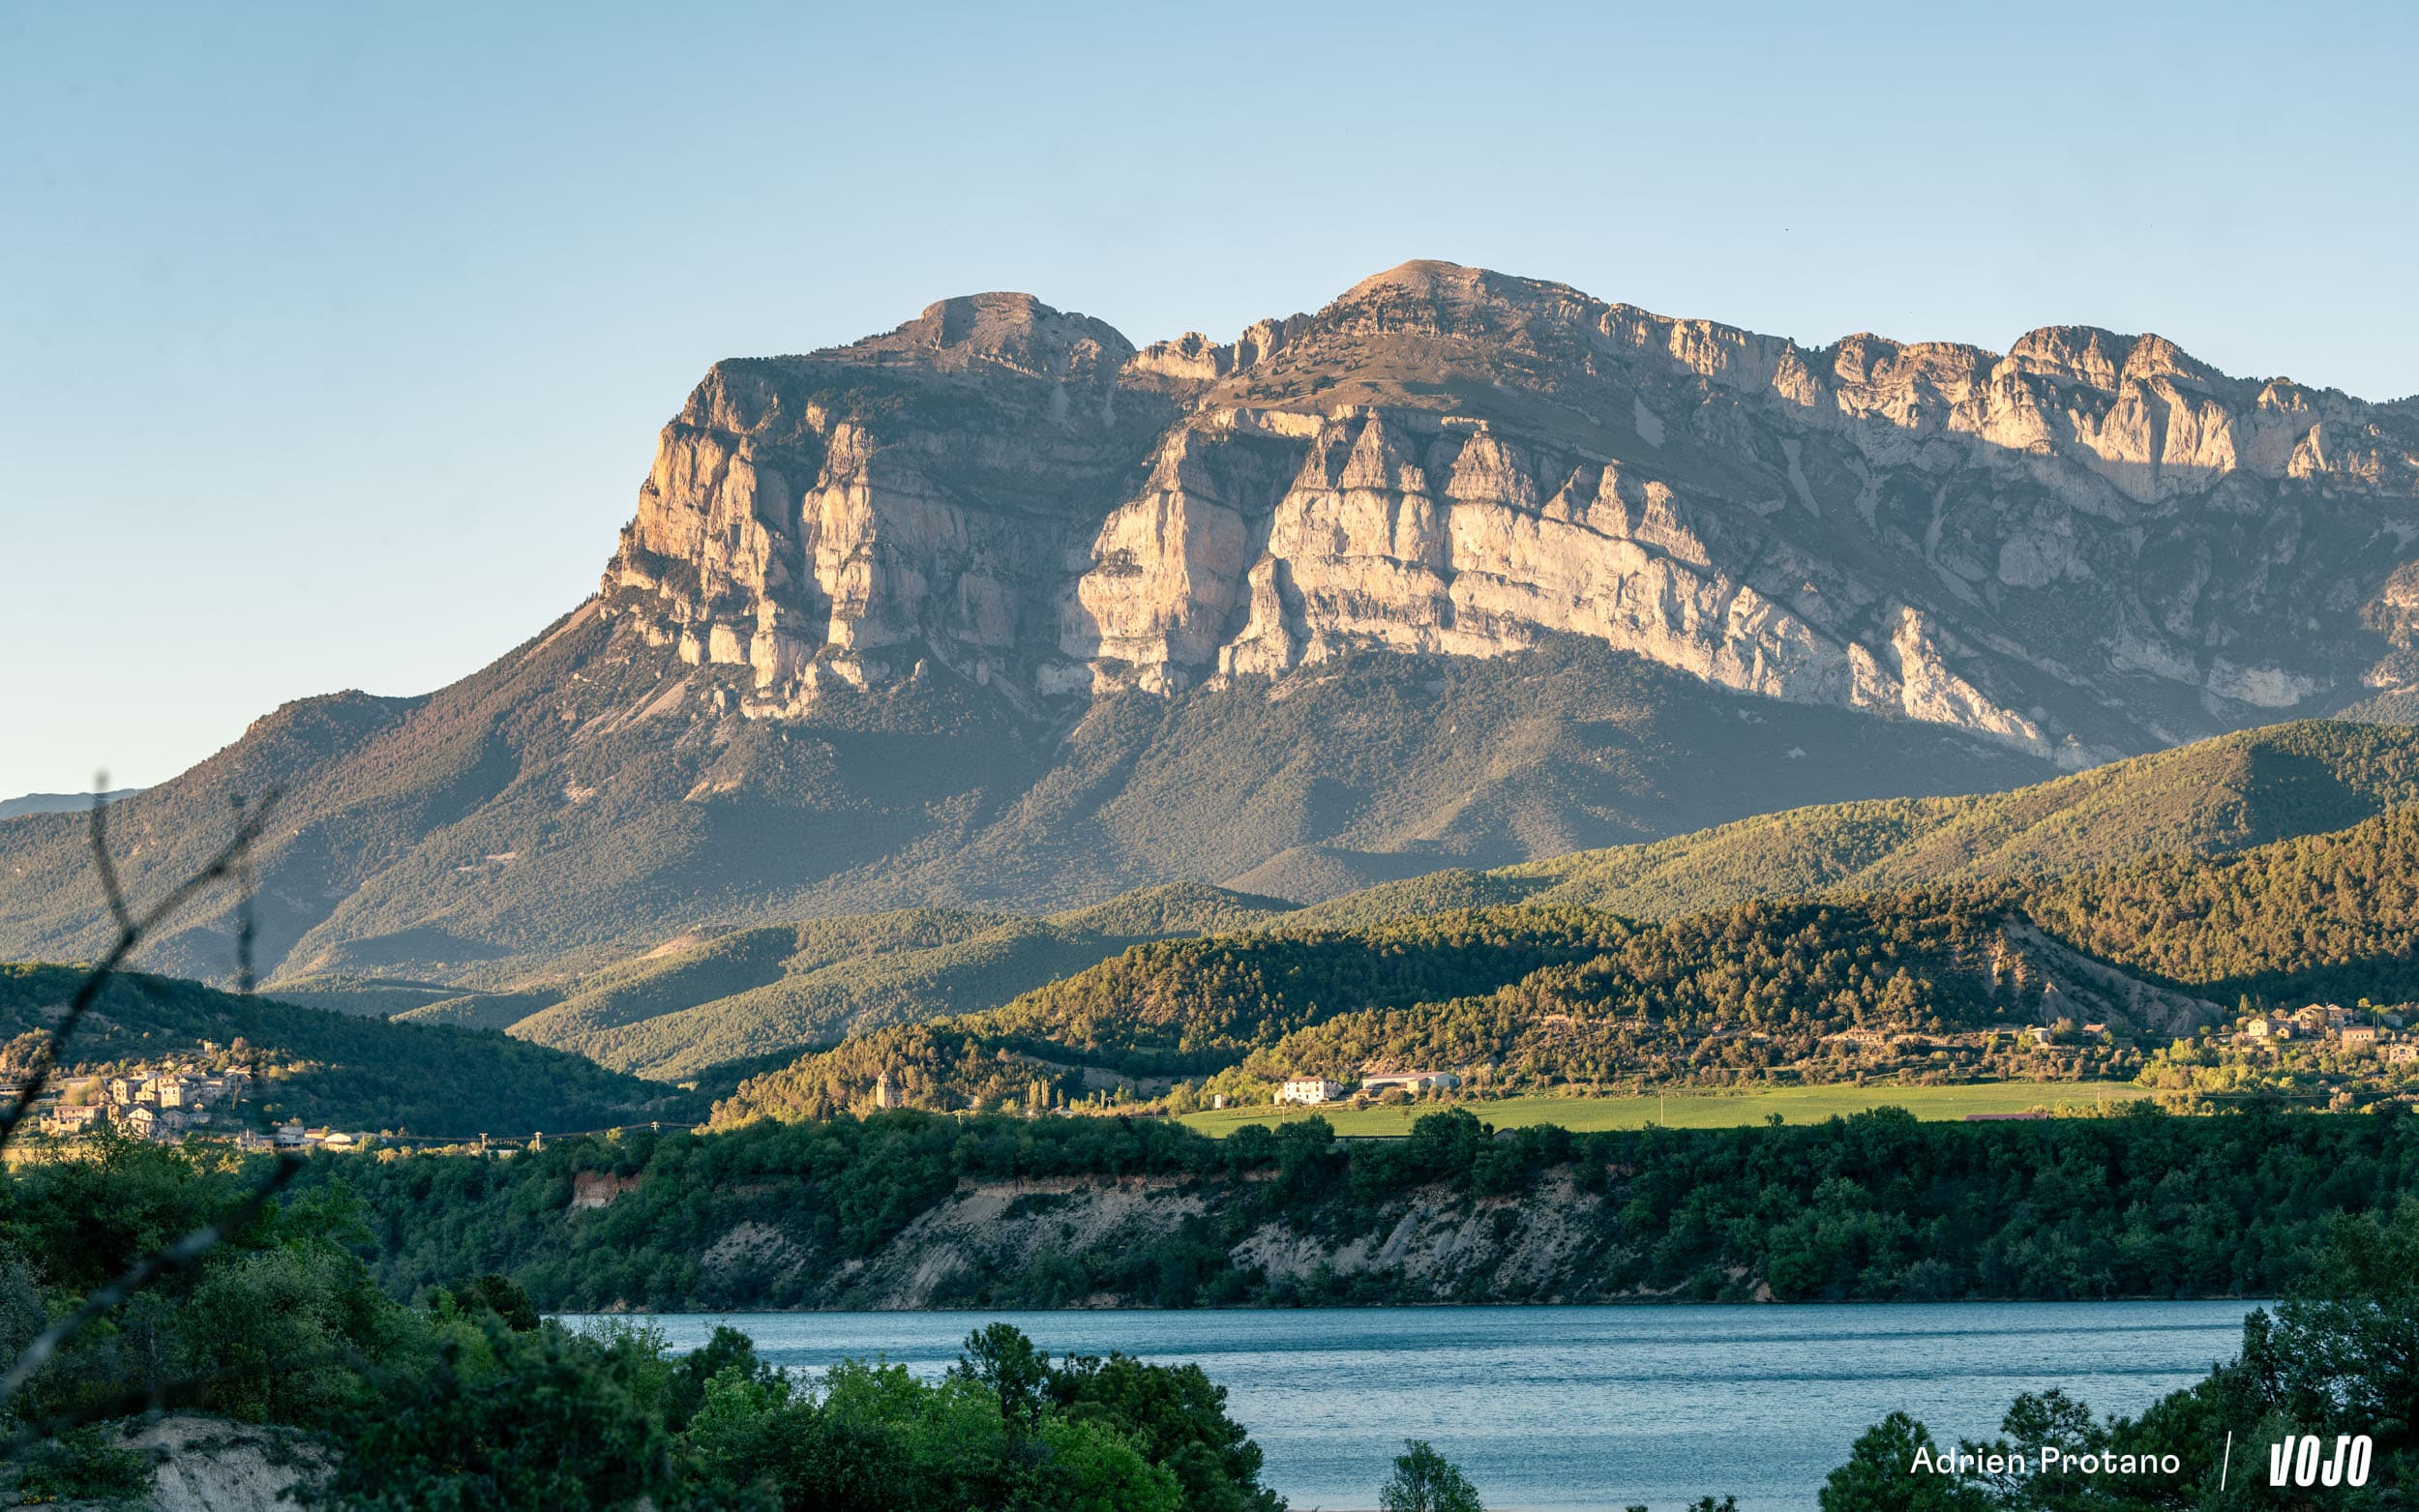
(996, 610)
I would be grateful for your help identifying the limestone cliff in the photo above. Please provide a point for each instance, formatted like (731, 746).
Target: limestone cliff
(2088, 545)
(994, 610)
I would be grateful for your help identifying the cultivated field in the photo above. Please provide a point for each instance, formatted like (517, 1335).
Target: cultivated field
(1705, 1109)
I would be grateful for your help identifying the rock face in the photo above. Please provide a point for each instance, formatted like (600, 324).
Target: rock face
(1462, 569)
(2090, 545)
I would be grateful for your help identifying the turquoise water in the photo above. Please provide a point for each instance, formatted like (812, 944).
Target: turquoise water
(1583, 1409)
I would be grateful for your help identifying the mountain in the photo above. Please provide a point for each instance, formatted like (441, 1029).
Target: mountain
(998, 611)
(353, 1072)
(56, 802)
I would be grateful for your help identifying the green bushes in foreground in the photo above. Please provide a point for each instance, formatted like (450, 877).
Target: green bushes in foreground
(468, 1400)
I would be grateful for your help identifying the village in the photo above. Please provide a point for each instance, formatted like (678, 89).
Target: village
(167, 1101)
(2362, 1030)
(2344, 1038)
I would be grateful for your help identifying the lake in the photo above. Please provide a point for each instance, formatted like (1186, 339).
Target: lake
(1582, 1409)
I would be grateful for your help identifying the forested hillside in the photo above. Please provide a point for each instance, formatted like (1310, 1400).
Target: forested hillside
(1180, 1008)
(718, 995)
(2212, 798)
(1540, 994)
(331, 1068)
(1513, 999)
(2327, 916)
(907, 1209)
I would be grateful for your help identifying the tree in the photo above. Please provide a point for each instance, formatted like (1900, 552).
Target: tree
(1425, 1481)
(1883, 1475)
(501, 1295)
(544, 1419)
(1002, 1358)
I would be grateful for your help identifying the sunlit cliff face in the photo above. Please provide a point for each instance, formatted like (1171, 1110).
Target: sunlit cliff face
(2087, 544)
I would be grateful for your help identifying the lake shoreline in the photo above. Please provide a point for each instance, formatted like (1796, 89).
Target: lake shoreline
(1568, 1407)
(1640, 1304)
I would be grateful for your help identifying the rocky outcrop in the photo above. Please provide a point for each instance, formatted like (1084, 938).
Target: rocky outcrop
(2090, 543)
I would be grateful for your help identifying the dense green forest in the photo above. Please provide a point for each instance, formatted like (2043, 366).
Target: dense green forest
(915, 1210)
(2318, 916)
(332, 1068)
(1716, 997)
(466, 1400)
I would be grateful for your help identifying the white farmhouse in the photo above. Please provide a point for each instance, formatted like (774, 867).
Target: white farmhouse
(1311, 1089)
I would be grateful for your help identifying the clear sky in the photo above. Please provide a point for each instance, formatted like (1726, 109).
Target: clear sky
(334, 339)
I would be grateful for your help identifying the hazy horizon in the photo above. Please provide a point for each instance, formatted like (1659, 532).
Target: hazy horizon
(338, 344)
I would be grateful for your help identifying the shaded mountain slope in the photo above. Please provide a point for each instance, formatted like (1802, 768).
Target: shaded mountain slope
(684, 1007)
(557, 811)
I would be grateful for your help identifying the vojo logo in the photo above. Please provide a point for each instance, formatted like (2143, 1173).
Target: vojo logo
(2302, 1459)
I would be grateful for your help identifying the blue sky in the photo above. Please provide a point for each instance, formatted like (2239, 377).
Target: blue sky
(333, 340)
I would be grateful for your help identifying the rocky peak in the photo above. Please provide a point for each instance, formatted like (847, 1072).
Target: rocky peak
(1483, 312)
(1013, 331)
(2090, 543)
(1424, 294)
(2103, 360)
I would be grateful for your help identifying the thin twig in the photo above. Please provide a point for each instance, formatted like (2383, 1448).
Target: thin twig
(243, 907)
(102, 861)
(184, 1252)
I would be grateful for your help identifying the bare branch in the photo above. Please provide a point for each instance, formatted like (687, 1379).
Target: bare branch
(184, 1252)
(243, 907)
(102, 862)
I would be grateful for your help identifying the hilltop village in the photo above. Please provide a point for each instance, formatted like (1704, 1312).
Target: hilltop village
(169, 1099)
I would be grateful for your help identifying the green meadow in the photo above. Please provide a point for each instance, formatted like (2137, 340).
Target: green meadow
(1704, 1110)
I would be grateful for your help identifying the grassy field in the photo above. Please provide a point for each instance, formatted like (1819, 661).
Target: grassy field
(1704, 1110)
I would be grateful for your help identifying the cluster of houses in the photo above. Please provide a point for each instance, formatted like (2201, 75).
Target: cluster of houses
(167, 1101)
(163, 1102)
(2345, 1029)
(1308, 1090)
